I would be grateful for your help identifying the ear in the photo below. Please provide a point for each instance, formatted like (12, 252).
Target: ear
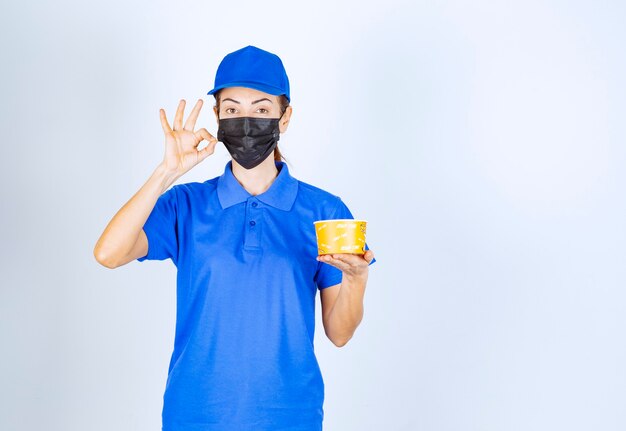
(283, 123)
(217, 117)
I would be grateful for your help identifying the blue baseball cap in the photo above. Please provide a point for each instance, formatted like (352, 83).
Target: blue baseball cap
(252, 67)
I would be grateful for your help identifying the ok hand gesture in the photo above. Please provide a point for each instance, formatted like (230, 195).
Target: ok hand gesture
(181, 143)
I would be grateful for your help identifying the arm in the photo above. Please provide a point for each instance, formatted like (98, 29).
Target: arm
(342, 304)
(123, 239)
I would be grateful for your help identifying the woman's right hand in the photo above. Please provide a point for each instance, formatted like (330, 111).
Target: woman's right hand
(181, 144)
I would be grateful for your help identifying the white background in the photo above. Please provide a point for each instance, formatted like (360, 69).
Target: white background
(483, 141)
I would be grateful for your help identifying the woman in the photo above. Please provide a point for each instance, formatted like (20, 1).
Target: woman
(248, 272)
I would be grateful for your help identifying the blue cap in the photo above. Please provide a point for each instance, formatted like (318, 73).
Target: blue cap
(252, 67)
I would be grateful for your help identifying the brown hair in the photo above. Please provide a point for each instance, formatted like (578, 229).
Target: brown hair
(284, 103)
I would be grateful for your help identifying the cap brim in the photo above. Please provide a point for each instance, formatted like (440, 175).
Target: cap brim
(254, 85)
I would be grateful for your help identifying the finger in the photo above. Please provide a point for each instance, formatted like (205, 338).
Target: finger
(164, 124)
(340, 265)
(204, 134)
(210, 148)
(191, 120)
(206, 152)
(329, 259)
(348, 259)
(178, 119)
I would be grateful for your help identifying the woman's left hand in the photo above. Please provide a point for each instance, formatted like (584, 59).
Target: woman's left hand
(354, 266)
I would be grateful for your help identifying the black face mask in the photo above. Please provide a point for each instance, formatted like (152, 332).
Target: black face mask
(249, 139)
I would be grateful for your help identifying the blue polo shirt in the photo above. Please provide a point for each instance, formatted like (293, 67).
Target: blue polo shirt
(247, 279)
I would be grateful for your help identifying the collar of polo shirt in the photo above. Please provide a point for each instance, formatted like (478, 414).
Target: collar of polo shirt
(281, 194)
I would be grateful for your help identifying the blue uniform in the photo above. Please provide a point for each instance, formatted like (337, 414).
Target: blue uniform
(247, 281)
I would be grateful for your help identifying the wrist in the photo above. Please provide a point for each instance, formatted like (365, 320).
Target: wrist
(164, 177)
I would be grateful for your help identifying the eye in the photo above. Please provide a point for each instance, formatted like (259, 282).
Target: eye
(227, 110)
(265, 111)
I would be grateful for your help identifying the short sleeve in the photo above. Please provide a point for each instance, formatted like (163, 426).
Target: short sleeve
(327, 275)
(161, 228)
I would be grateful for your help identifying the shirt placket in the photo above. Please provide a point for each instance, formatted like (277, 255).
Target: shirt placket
(254, 225)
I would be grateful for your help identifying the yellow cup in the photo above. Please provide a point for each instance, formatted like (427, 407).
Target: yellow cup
(340, 236)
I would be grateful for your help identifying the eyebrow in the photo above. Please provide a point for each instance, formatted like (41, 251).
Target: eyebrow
(256, 101)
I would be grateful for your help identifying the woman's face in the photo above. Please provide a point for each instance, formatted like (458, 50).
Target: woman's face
(248, 102)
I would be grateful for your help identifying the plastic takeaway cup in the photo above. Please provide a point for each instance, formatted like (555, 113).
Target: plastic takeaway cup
(340, 236)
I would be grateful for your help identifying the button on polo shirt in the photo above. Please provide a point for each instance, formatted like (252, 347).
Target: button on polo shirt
(247, 279)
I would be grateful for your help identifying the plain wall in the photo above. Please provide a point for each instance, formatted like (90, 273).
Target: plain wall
(483, 141)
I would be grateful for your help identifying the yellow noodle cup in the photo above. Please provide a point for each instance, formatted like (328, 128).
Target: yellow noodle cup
(340, 236)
